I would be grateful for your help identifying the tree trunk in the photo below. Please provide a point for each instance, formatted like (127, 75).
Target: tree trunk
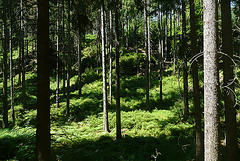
(68, 64)
(160, 46)
(229, 100)
(64, 54)
(43, 150)
(211, 82)
(197, 107)
(5, 57)
(105, 110)
(110, 56)
(23, 59)
(118, 111)
(185, 74)
(80, 65)
(11, 65)
(57, 68)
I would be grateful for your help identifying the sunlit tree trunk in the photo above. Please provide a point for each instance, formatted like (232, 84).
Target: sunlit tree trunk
(110, 55)
(228, 76)
(11, 65)
(118, 112)
(197, 103)
(211, 82)
(5, 57)
(57, 63)
(105, 110)
(160, 46)
(43, 146)
(185, 74)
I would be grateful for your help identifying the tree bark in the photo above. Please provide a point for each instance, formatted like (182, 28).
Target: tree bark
(110, 55)
(185, 74)
(43, 150)
(228, 76)
(57, 68)
(197, 107)
(5, 57)
(11, 65)
(160, 46)
(118, 111)
(211, 82)
(105, 110)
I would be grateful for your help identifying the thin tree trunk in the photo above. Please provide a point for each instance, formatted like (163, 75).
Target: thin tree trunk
(229, 100)
(197, 107)
(118, 111)
(24, 96)
(105, 110)
(11, 65)
(185, 74)
(43, 145)
(57, 68)
(80, 66)
(64, 54)
(5, 57)
(160, 51)
(147, 54)
(110, 56)
(166, 36)
(211, 82)
(68, 64)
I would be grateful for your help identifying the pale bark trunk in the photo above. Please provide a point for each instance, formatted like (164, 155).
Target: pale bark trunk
(57, 67)
(160, 46)
(211, 82)
(229, 100)
(110, 56)
(105, 110)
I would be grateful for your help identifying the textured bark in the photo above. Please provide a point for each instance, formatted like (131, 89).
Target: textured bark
(68, 64)
(11, 66)
(118, 111)
(105, 110)
(57, 63)
(146, 3)
(110, 55)
(160, 53)
(197, 107)
(43, 150)
(228, 76)
(211, 82)
(5, 57)
(185, 74)
(24, 96)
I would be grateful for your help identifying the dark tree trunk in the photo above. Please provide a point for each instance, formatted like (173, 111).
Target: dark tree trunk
(185, 74)
(228, 77)
(57, 68)
(5, 57)
(43, 150)
(197, 103)
(80, 65)
(118, 111)
(64, 54)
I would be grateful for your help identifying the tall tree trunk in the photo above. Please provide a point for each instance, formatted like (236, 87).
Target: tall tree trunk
(229, 100)
(68, 64)
(23, 59)
(185, 74)
(118, 111)
(198, 111)
(211, 82)
(105, 110)
(174, 42)
(11, 65)
(43, 150)
(166, 36)
(5, 57)
(57, 68)
(110, 56)
(147, 50)
(64, 52)
(160, 46)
